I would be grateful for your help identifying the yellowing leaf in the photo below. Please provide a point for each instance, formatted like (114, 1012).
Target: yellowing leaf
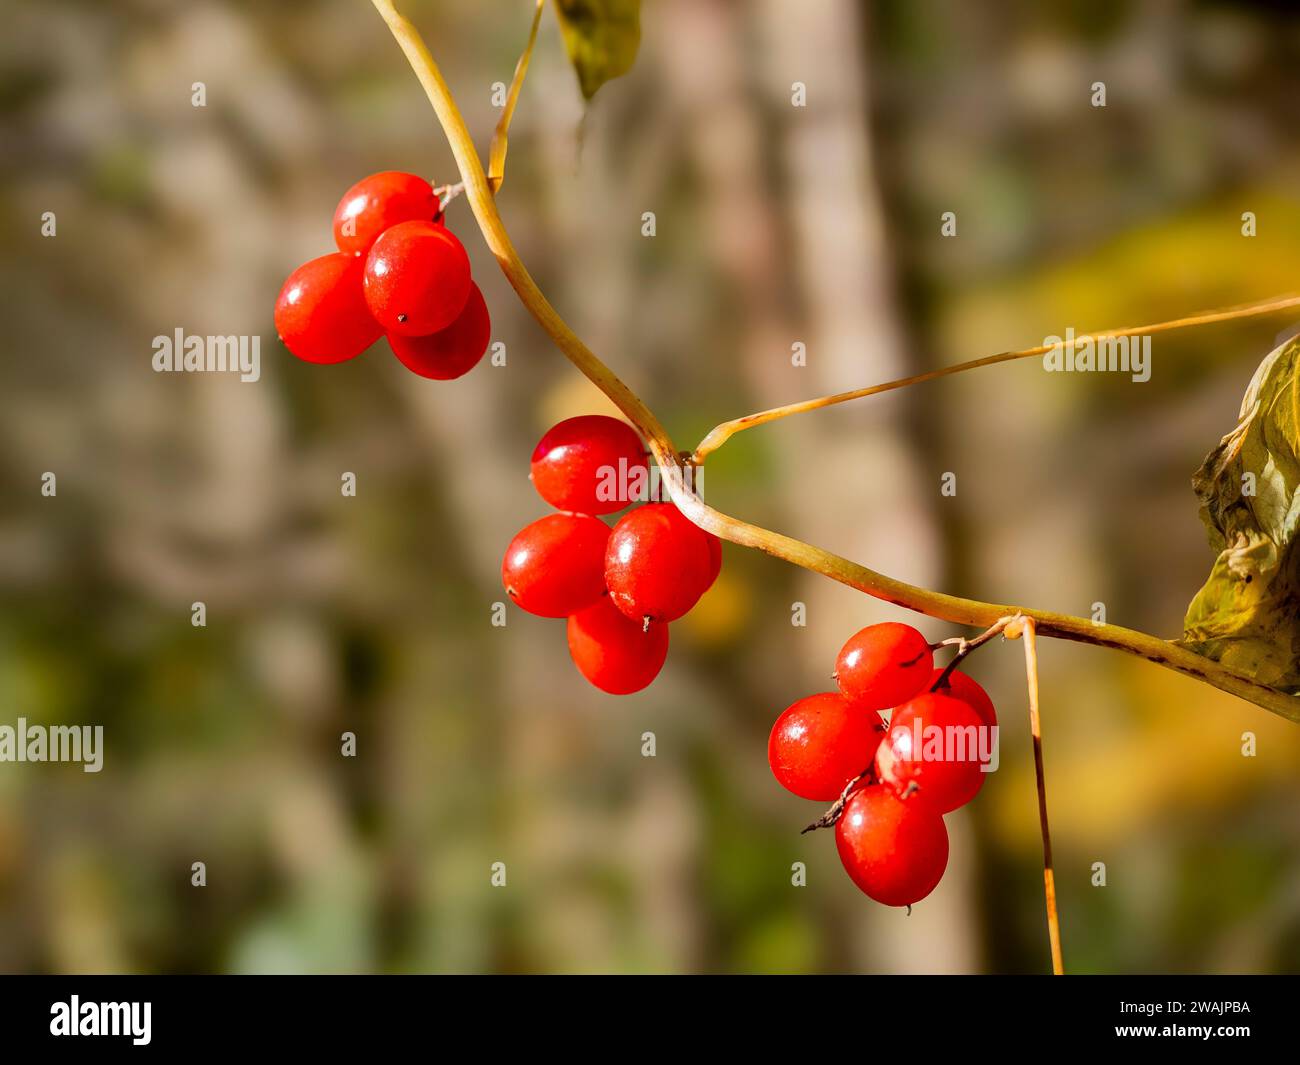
(1247, 615)
(601, 37)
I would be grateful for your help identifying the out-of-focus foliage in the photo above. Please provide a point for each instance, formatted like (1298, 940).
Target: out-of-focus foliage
(1247, 614)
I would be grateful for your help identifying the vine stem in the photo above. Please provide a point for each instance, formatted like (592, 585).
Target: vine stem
(950, 608)
(1023, 628)
(720, 434)
(478, 193)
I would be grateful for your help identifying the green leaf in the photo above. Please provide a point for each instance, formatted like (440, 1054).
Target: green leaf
(601, 37)
(1247, 615)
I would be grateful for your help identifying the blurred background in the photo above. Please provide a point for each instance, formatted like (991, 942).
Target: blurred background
(776, 225)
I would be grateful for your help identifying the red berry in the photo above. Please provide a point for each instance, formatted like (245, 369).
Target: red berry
(321, 315)
(378, 202)
(453, 351)
(555, 566)
(657, 564)
(883, 665)
(715, 558)
(931, 755)
(960, 686)
(618, 655)
(820, 743)
(895, 851)
(417, 279)
(588, 464)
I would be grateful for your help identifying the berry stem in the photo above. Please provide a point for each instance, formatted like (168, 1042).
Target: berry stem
(828, 819)
(720, 434)
(1023, 628)
(447, 193)
(965, 647)
(954, 609)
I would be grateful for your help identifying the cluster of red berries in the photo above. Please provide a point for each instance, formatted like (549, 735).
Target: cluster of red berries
(620, 587)
(400, 273)
(900, 779)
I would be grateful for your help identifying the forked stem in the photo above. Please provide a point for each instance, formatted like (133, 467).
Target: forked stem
(447, 193)
(965, 647)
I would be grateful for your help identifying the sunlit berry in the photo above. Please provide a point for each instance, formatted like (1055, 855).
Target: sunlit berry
(615, 653)
(321, 314)
(417, 279)
(450, 352)
(589, 463)
(555, 566)
(894, 851)
(377, 203)
(820, 743)
(883, 665)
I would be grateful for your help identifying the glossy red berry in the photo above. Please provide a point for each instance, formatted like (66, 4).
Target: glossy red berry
(417, 279)
(555, 566)
(450, 352)
(931, 755)
(968, 690)
(378, 202)
(618, 655)
(820, 743)
(715, 558)
(657, 563)
(590, 464)
(883, 665)
(894, 851)
(320, 314)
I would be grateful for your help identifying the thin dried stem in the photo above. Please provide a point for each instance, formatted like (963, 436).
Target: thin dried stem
(478, 192)
(447, 193)
(500, 139)
(720, 434)
(833, 814)
(1024, 629)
